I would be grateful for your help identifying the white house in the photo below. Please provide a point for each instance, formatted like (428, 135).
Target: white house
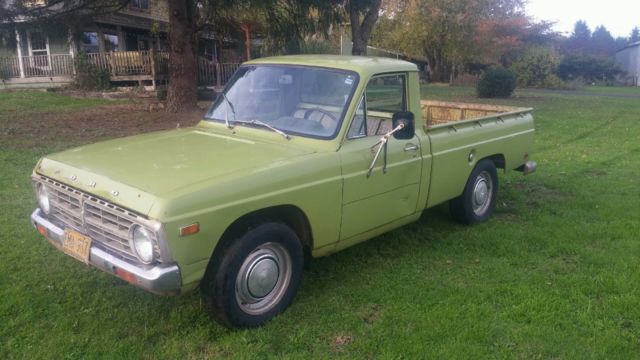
(629, 59)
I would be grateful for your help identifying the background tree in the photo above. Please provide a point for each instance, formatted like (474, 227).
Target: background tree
(502, 40)
(240, 18)
(451, 34)
(293, 21)
(63, 11)
(537, 67)
(182, 90)
(588, 68)
(621, 42)
(635, 35)
(602, 43)
(580, 38)
(363, 15)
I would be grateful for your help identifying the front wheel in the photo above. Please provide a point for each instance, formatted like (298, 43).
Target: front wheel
(256, 278)
(476, 203)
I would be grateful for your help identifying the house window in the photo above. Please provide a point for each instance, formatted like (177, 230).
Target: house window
(89, 43)
(38, 43)
(110, 42)
(140, 4)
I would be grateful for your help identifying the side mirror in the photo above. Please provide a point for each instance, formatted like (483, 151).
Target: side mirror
(406, 118)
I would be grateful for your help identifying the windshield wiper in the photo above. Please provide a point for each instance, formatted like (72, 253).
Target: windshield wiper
(226, 115)
(264, 124)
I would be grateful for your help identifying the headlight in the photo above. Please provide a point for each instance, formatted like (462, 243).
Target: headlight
(142, 244)
(43, 198)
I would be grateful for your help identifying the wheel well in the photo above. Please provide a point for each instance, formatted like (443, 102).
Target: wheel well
(498, 160)
(289, 215)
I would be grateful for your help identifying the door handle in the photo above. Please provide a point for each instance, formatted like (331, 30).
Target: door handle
(411, 147)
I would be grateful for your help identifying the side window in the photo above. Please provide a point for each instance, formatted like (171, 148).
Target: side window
(384, 95)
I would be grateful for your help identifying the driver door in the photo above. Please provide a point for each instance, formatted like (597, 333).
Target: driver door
(382, 197)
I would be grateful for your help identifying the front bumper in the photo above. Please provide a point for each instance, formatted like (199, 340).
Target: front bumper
(159, 279)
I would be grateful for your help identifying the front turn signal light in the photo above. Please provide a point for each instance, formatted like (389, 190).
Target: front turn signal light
(190, 229)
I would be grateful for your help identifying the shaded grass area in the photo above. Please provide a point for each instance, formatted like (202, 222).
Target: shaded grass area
(20, 102)
(553, 275)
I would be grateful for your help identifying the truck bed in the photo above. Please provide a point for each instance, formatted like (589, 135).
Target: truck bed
(437, 113)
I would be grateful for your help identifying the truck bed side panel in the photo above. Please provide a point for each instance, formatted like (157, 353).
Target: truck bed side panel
(510, 136)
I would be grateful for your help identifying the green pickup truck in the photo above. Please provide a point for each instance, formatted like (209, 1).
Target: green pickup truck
(299, 156)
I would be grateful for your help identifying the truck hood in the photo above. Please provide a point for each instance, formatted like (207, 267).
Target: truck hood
(133, 171)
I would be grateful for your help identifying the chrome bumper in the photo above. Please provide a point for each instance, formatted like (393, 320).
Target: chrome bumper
(163, 280)
(528, 168)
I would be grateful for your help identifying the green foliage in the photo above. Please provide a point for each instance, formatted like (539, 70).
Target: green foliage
(316, 46)
(537, 67)
(451, 34)
(88, 77)
(602, 43)
(496, 83)
(599, 43)
(589, 68)
(285, 23)
(635, 35)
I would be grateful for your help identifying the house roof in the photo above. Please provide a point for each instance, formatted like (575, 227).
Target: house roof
(637, 43)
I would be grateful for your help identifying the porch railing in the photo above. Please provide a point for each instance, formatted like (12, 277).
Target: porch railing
(214, 74)
(37, 66)
(123, 63)
(120, 65)
(9, 67)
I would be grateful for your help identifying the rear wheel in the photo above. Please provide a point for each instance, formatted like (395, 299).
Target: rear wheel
(256, 277)
(478, 200)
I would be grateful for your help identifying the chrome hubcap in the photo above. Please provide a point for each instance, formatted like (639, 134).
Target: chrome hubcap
(263, 278)
(482, 193)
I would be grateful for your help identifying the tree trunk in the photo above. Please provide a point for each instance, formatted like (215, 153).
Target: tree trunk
(437, 70)
(247, 40)
(360, 31)
(182, 94)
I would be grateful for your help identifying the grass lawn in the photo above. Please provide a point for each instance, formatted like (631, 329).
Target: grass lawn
(554, 274)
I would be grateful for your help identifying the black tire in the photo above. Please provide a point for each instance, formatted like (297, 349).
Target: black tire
(468, 207)
(239, 289)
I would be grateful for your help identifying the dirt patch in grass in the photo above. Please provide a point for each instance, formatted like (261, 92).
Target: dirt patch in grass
(340, 341)
(541, 191)
(89, 125)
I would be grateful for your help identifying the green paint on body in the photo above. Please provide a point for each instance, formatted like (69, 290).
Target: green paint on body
(214, 175)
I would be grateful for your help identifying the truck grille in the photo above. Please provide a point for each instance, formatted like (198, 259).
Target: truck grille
(106, 224)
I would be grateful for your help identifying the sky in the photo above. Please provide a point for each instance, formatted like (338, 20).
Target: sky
(618, 16)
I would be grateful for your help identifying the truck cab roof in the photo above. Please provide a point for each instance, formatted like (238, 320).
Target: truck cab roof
(364, 65)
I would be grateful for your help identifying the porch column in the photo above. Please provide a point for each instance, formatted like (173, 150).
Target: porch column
(19, 48)
(122, 46)
(71, 42)
(72, 49)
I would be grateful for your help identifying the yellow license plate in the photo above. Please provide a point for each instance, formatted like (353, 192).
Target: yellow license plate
(76, 245)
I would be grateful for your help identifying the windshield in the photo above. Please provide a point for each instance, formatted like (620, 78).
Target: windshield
(299, 100)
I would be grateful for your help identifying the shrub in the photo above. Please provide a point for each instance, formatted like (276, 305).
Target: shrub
(498, 82)
(88, 77)
(589, 68)
(537, 68)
